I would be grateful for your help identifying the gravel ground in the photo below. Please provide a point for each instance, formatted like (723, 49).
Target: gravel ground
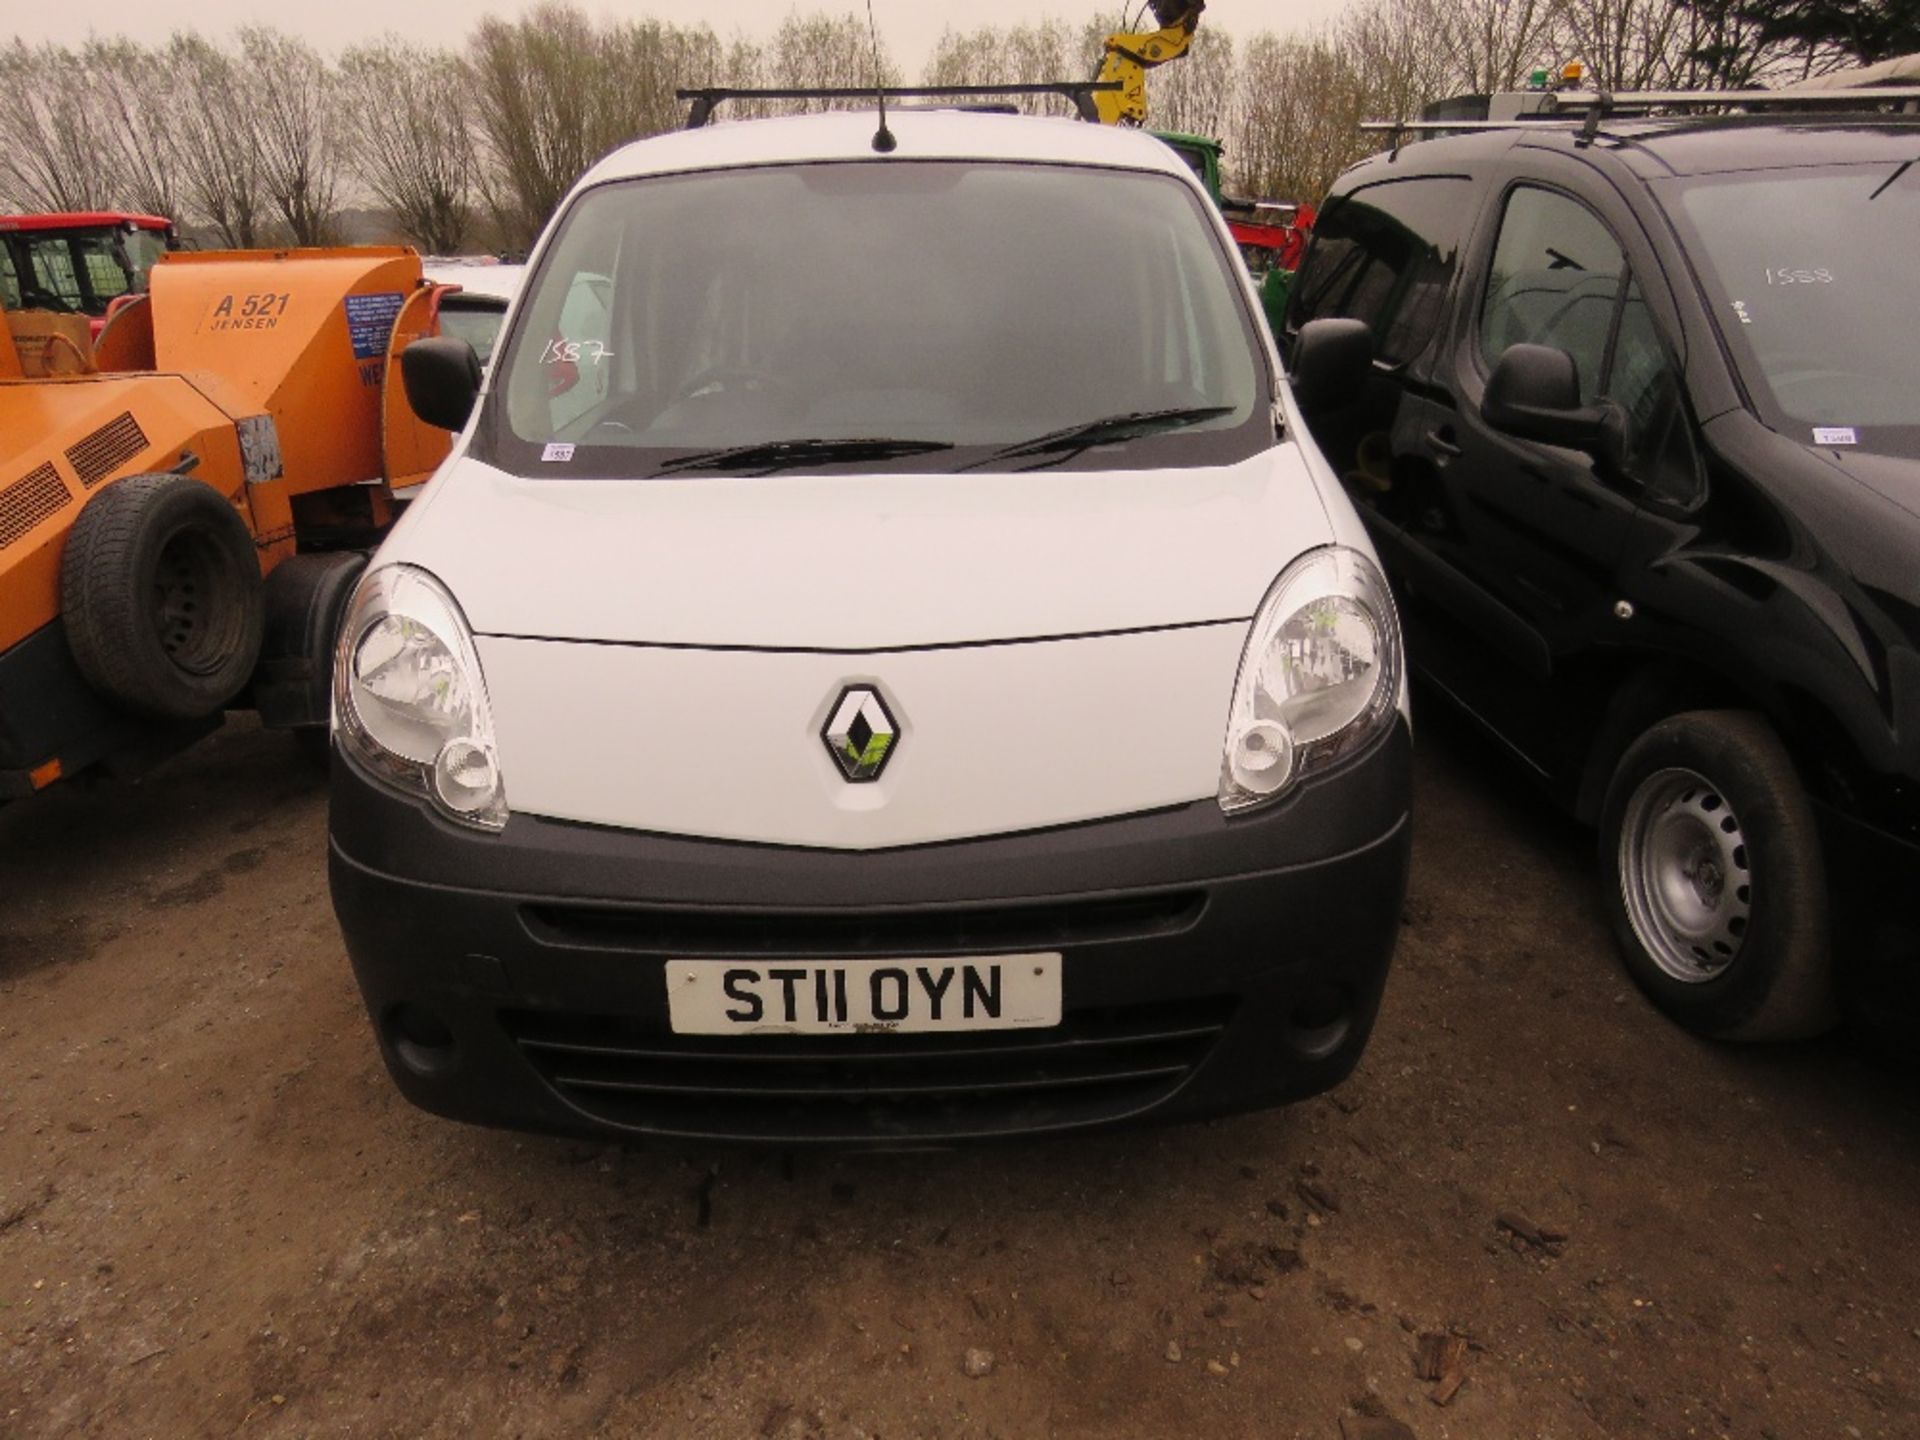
(217, 1217)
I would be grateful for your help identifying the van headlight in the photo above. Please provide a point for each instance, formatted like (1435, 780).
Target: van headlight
(409, 700)
(1319, 679)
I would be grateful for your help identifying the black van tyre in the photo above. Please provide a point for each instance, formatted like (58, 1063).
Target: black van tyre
(1714, 881)
(160, 594)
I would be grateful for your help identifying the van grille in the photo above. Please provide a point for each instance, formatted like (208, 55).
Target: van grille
(36, 496)
(1097, 1066)
(948, 930)
(107, 449)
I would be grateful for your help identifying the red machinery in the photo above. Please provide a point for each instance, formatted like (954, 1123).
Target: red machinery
(79, 262)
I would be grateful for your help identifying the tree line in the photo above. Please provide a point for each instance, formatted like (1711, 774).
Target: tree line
(261, 139)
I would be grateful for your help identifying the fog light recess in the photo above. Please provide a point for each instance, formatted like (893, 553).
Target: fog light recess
(421, 1039)
(1320, 1021)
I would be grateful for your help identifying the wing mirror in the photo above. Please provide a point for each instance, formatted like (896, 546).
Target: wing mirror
(442, 378)
(1332, 363)
(1534, 394)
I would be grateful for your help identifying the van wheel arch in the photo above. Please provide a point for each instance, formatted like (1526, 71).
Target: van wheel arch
(1650, 689)
(1645, 692)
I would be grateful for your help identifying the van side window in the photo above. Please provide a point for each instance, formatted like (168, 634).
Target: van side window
(1556, 281)
(1559, 278)
(1385, 254)
(1644, 381)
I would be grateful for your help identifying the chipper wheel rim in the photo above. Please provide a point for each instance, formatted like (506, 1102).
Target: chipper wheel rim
(199, 601)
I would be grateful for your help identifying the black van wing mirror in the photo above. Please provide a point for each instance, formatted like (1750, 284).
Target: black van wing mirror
(442, 378)
(1332, 363)
(1534, 393)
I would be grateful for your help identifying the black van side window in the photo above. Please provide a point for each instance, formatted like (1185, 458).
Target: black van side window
(1559, 278)
(1556, 281)
(1385, 254)
(1645, 382)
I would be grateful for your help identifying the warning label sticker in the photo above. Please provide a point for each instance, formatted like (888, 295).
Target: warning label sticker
(370, 322)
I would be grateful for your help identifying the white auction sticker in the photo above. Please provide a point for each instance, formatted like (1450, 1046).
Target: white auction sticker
(557, 450)
(1834, 435)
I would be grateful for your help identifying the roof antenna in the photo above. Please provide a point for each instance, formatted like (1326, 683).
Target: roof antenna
(883, 141)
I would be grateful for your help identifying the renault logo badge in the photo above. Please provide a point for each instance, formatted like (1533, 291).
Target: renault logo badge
(860, 734)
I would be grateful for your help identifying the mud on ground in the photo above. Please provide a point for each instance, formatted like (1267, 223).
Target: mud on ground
(218, 1218)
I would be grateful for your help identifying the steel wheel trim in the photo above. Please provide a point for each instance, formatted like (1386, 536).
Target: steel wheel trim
(1685, 875)
(193, 612)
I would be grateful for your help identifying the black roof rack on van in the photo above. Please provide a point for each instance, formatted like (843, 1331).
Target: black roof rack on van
(1589, 107)
(707, 99)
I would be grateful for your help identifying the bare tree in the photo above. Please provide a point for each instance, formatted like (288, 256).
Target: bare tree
(1390, 47)
(1195, 94)
(220, 159)
(553, 92)
(742, 65)
(419, 160)
(50, 142)
(536, 89)
(1725, 49)
(1091, 51)
(291, 106)
(645, 62)
(826, 52)
(1299, 106)
(1492, 44)
(136, 98)
(1019, 55)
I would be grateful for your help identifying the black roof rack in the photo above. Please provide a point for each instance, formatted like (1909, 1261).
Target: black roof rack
(1589, 107)
(1081, 92)
(1785, 99)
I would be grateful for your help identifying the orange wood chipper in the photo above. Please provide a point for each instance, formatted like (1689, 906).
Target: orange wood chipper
(186, 501)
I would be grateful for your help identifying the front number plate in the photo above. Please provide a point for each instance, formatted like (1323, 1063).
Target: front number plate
(822, 997)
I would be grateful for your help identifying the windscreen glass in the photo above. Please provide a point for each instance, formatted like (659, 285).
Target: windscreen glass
(1805, 272)
(52, 279)
(953, 310)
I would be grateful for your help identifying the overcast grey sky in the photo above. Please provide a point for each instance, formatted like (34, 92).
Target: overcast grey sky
(910, 27)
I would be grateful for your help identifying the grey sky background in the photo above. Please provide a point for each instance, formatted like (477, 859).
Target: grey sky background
(910, 27)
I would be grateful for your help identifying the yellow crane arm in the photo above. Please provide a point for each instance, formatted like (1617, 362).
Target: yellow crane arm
(1130, 56)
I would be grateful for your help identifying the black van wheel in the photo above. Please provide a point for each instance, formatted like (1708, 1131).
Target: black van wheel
(1714, 881)
(160, 594)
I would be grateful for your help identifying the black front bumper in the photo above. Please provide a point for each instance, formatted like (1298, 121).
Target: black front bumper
(1209, 965)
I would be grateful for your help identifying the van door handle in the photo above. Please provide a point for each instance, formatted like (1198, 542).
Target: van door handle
(1442, 443)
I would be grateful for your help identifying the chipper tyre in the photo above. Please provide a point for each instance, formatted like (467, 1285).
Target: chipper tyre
(1714, 879)
(160, 592)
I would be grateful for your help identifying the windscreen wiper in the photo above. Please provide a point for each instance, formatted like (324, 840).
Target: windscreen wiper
(1905, 166)
(1106, 431)
(767, 456)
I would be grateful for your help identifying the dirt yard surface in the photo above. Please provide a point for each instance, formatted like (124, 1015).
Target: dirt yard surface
(217, 1217)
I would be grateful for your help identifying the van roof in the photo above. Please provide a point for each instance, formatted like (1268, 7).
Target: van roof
(922, 135)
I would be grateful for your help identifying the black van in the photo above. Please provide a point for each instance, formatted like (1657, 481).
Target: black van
(1632, 411)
